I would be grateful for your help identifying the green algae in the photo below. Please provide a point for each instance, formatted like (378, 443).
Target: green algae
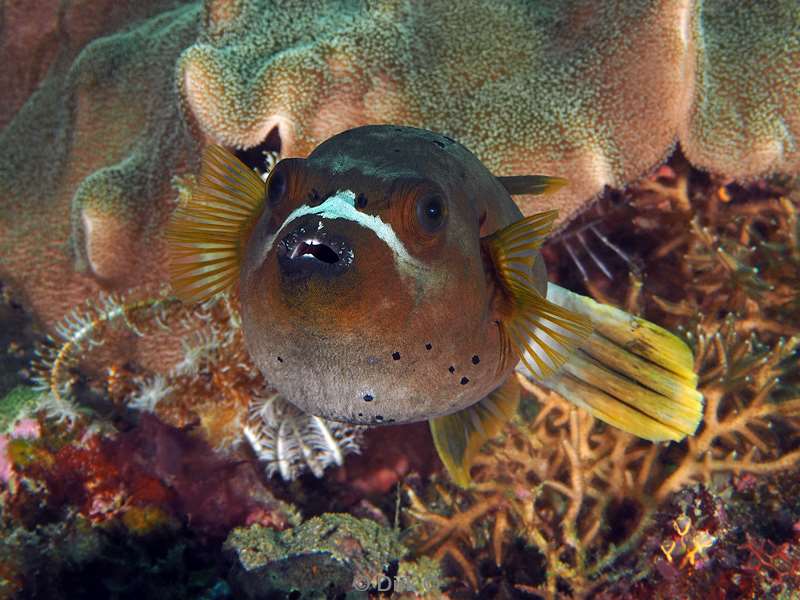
(15, 405)
(329, 554)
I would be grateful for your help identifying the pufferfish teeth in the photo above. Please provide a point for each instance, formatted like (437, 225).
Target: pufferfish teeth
(303, 246)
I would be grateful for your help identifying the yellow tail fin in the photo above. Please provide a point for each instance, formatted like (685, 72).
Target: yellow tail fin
(629, 372)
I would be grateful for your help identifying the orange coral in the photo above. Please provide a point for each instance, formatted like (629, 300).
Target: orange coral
(584, 494)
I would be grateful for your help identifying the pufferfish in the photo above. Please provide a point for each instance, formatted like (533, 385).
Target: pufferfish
(389, 277)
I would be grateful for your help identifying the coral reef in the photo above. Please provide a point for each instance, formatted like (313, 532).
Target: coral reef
(326, 556)
(103, 498)
(588, 497)
(740, 541)
(555, 87)
(144, 476)
(84, 171)
(77, 501)
(562, 505)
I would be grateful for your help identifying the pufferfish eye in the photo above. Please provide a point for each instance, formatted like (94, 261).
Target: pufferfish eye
(276, 186)
(431, 213)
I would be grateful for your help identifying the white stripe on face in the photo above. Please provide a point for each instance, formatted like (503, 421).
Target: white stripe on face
(342, 206)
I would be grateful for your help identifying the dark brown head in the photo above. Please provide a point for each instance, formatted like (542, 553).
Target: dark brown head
(365, 294)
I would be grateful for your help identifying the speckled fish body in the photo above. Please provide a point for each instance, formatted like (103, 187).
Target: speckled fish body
(402, 327)
(389, 277)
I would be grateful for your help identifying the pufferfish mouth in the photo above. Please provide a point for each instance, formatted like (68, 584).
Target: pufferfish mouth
(311, 248)
(314, 248)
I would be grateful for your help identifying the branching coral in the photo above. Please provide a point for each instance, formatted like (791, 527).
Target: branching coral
(741, 382)
(584, 494)
(735, 248)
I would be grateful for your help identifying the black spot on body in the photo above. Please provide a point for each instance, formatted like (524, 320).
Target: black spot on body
(428, 346)
(476, 359)
(368, 398)
(280, 359)
(396, 355)
(451, 368)
(360, 414)
(464, 381)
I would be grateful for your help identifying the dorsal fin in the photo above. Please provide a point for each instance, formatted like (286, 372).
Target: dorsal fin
(207, 234)
(531, 184)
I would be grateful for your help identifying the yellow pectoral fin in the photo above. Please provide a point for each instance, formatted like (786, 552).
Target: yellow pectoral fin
(459, 436)
(513, 248)
(206, 235)
(542, 333)
(630, 373)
